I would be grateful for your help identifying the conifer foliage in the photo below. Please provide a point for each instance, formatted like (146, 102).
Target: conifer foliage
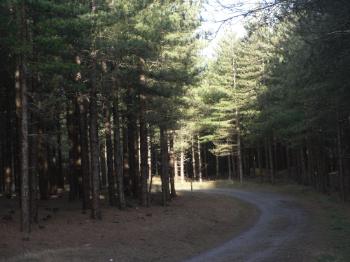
(86, 88)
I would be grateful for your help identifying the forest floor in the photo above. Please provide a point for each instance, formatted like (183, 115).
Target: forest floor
(218, 221)
(191, 224)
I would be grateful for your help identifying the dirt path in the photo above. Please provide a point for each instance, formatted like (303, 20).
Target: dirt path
(279, 234)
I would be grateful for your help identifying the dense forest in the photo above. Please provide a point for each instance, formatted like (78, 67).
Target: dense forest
(98, 97)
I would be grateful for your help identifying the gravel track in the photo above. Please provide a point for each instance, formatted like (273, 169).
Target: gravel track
(277, 235)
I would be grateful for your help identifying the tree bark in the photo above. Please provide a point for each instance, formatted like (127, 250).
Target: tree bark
(143, 150)
(271, 158)
(239, 152)
(165, 166)
(85, 160)
(182, 166)
(217, 166)
(259, 161)
(205, 161)
(94, 145)
(340, 159)
(72, 117)
(118, 150)
(229, 167)
(288, 162)
(60, 177)
(171, 167)
(149, 158)
(110, 165)
(21, 87)
(102, 164)
(194, 170)
(199, 161)
(132, 143)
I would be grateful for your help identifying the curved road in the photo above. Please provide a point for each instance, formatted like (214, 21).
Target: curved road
(276, 236)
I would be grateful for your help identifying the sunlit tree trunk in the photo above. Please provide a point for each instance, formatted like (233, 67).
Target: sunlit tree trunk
(182, 166)
(165, 166)
(194, 172)
(171, 166)
(199, 161)
(149, 158)
(143, 150)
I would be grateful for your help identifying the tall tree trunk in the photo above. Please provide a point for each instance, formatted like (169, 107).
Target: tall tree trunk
(85, 159)
(94, 145)
(125, 152)
(271, 158)
(165, 166)
(33, 172)
(194, 165)
(254, 162)
(239, 153)
(340, 159)
(60, 177)
(229, 167)
(171, 167)
(176, 167)
(118, 149)
(217, 166)
(149, 158)
(234, 171)
(109, 148)
(143, 150)
(199, 161)
(303, 170)
(103, 165)
(174, 155)
(143, 156)
(259, 161)
(205, 161)
(21, 86)
(132, 143)
(74, 151)
(288, 162)
(182, 166)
